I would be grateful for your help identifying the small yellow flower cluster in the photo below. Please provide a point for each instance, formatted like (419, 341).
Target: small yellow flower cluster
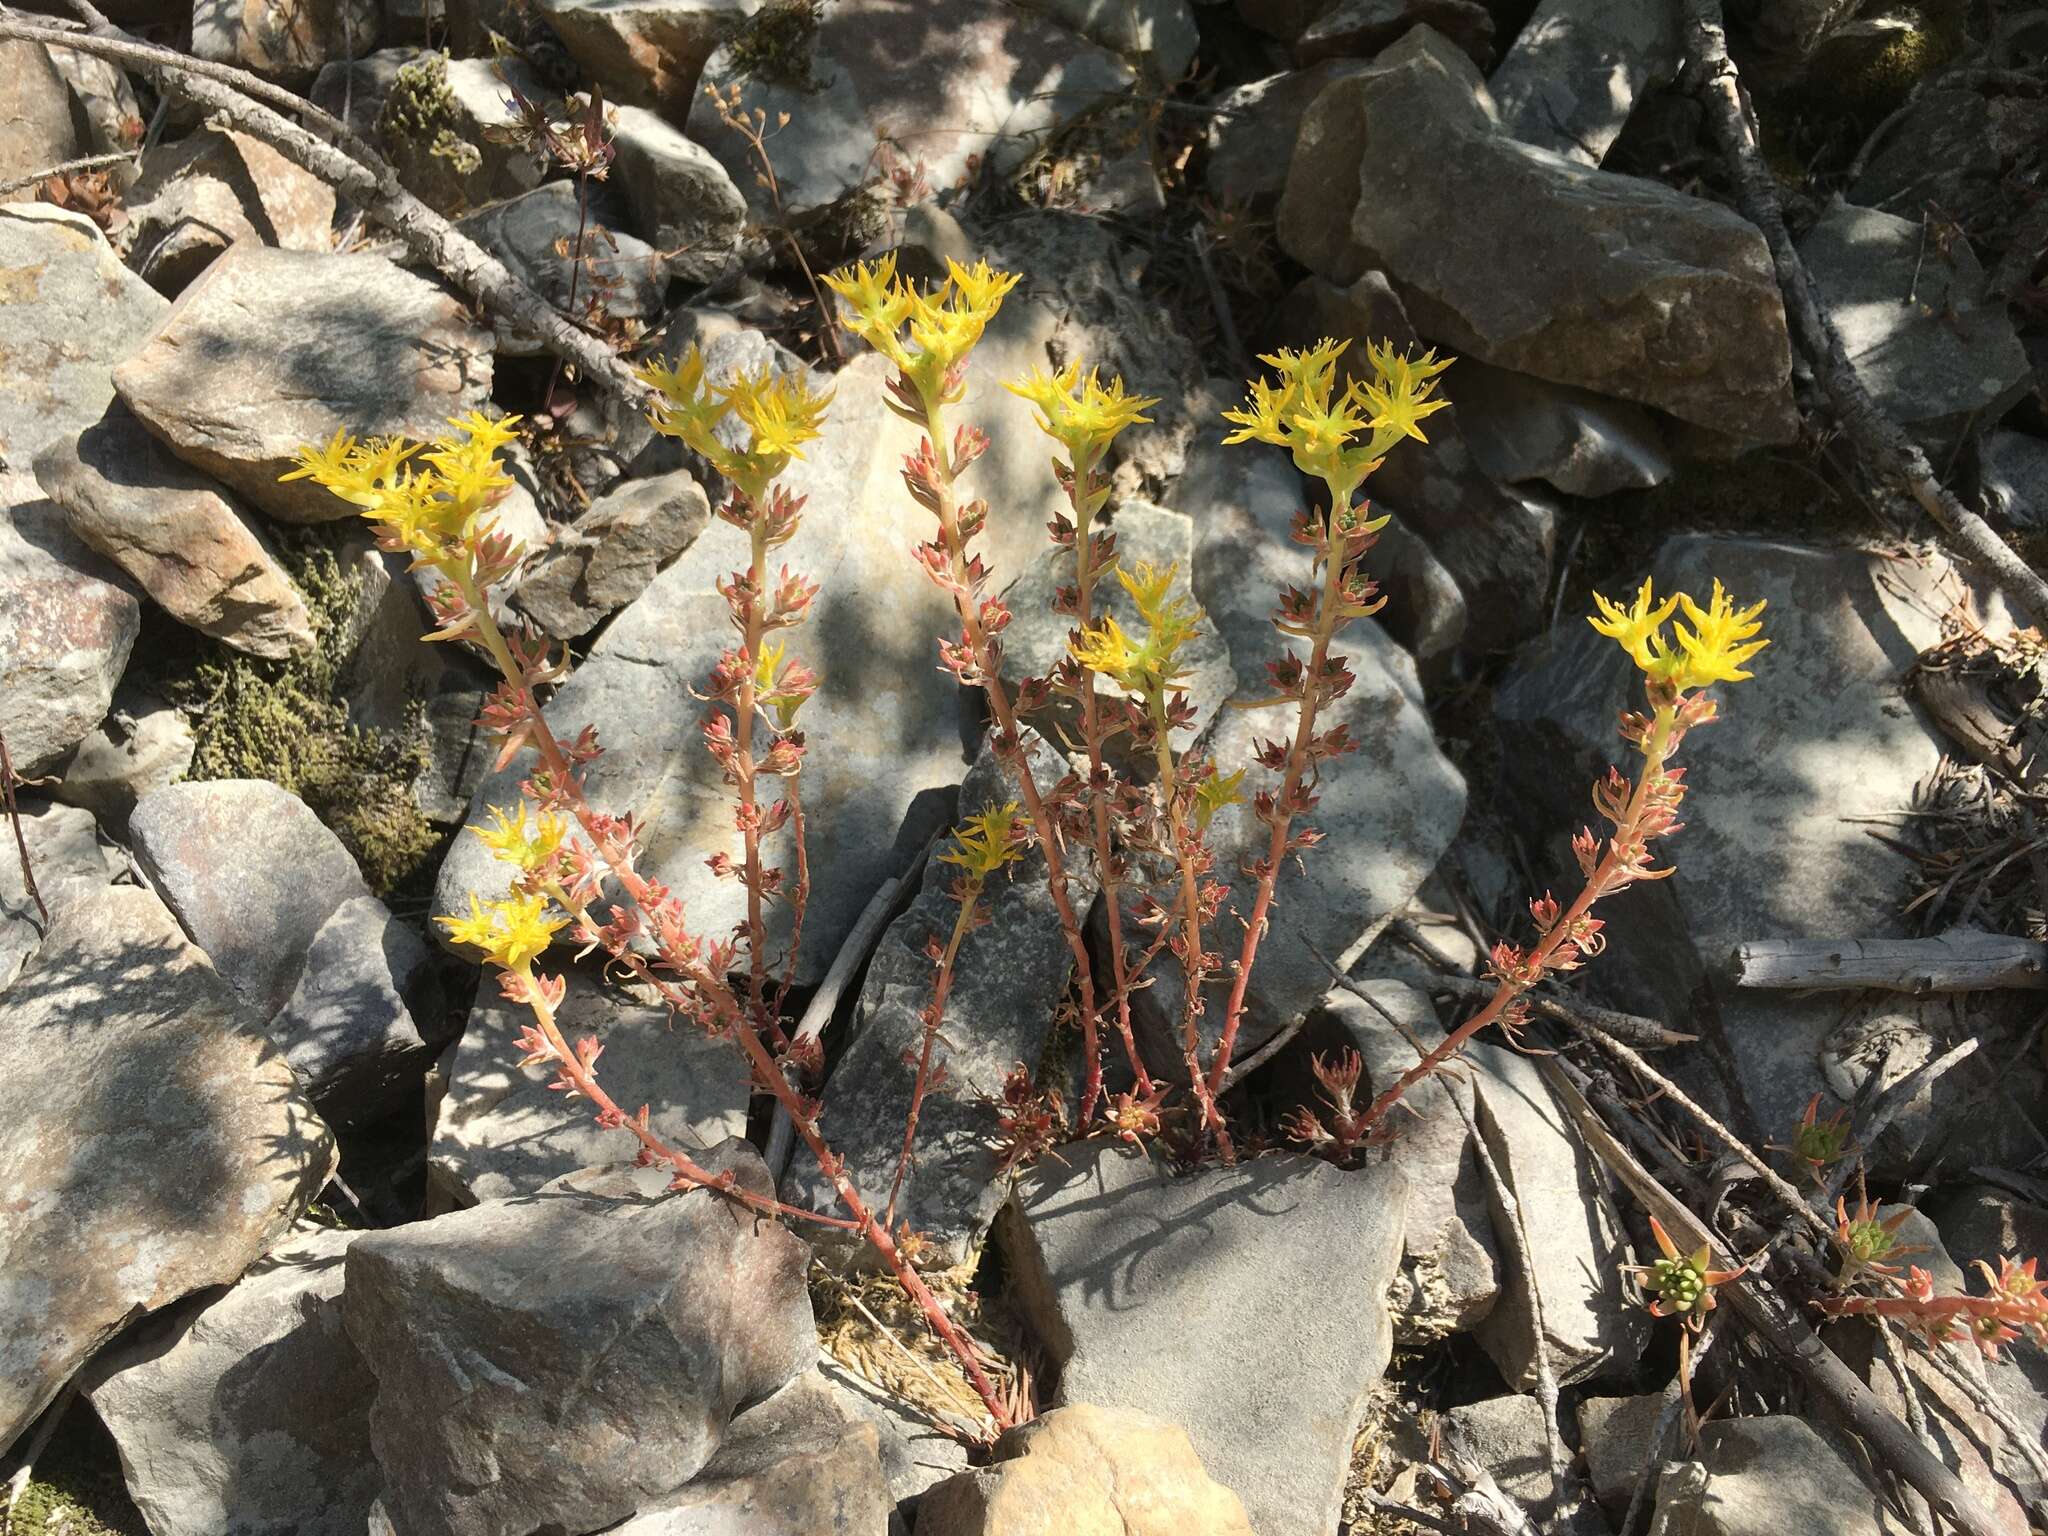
(1306, 414)
(512, 932)
(1152, 666)
(528, 846)
(1076, 410)
(986, 843)
(928, 334)
(1713, 650)
(430, 507)
(780, 414)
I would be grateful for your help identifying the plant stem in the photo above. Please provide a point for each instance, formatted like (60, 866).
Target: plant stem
(28, 873)
(1192, 964)
(752, 633)
(934, 1015)
(800, 898)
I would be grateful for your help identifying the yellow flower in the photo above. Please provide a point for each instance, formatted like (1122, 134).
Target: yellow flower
(780, 414)
(943, 323)
(1402, 393)
(512, 933)
(985, 843)
(1152, 666)
(1107, 649)
(1635, 629)
(1215, 792)
(1321, 426)
(1079, 411)
(430, 508)
(513, 840)
(1713, 650)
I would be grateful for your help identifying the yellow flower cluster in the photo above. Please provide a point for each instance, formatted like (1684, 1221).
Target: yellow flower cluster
(1713, 643)
(1322, 426)
(1151, 666)
(928, 334)
(425, 497)
(512, 933)
(1076, 410)
(528, 846)
(780, 414)
(985, 843)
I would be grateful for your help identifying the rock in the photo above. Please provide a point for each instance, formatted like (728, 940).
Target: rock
(104, 106)
(73, 312)
(1769, 848)
(272, 350)
(1161, 34)
(1953, 148)
(914, 1454)
(646, 53)
(1494, 539)
(533, 233)
(1037, 636)
(1577, 68)
(1576, 1244)
(682, 201)
(250, 1414)
(1505, 1435)
(1763, 1476)
(606, 558)
(1426, 613)
(63, 849)
(142, 745)
(1450, 1272)
(440, 121)
(67, 622)
(288, 45)
(1121, 1269)
(1928, 341)
(36, 127)
(502, 1134)
(355, 90)
(177, 534)
(568, 1358)
(1284, 19)
(153, 1142)
(1671, 299)
(1092, 1472)
(1360, 28)
(200, 195)
(1521, 429)
(1007, 985)
(796, 1463)
(348, 1028)
(1615, 1434)
(2015, 477)
(949, 87)
(251, 874)
(1252, 132)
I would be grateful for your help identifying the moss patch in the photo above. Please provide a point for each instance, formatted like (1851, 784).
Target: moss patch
(76, 1489)
(419, 125)
(775, 46)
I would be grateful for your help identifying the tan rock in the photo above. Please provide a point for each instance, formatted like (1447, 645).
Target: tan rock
(283, 42)
(200, 195)
(35, 112)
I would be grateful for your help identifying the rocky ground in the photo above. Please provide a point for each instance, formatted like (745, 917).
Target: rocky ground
(290, 1242)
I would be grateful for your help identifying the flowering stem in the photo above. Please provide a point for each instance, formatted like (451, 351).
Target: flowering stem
(1192, 963)
(800, 897)
(934, 1015)
(752, 631)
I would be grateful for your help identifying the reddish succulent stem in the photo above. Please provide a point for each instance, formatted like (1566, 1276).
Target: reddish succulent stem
(1192, 963)
(753, 630)
(800, 898)
(934, 1016)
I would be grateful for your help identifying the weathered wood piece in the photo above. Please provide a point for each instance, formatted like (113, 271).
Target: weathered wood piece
(1961, 960)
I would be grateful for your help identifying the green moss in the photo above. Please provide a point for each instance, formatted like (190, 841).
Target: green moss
(419, 125)
(775, 46)
(76, 1489)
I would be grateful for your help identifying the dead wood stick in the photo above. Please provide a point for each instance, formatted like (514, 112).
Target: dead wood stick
(1767, 1315)
(1872, 1122)
(1632, 1027)
(359, 174)
(1884, 447)
(13, 812)
(1961, 960)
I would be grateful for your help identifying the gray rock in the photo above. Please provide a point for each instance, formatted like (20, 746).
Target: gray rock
(1450, 1271)
(682, 201)
(1576, 1244)
(143, 744)
(250, 1416)
(1505, 1435)
(568, 1357)
(1670, 300)
(1614, 1432)
(348, 1028)
(1770, 847)
(73, 312)
(1521, 429)
(1037, 636)
(914, 1454)
(201, 194)
(1251, 135)
(178, 535)
(270, 350)
(64, 850)
(948, 87)
(286, 45)
(355, 90)
(440, 120)
(36, 127)
(646, 53)
(1156, 1293)
(67, 623)
(1925, 337)
(1160, 34)
(1494, 539)
(607, 557)
(1764, 1476)
(1355, 29)
(533, 234)
(153, 1142)
(797, 1462)
(2015, 477)
(1953, 148)
(250, 872)
(1284, 19)
(1576, 69)
(1007, 984)
(501, 1133)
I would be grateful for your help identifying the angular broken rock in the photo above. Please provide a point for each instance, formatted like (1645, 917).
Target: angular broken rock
(178, 534)
(1008, 982)
(1763, 1476)
(1614, 1433)
(1159, 33)
(646, 53)
(143, 744)
(1621, 285)
(1578, 66)
(1119, 1267)
(1251, 134)
(566, 1358)
(1085, 1469)
(73, 312)
(252, 874)
(63, 849)
(251, 1414)
(1575, 1241)
(682, 200)
(442, 122)
(270, 350)
(535, 235)
(67, 623)
(607, 557)
(36, 127)
(501, 1133)
(1358, 29)
(200, 195)
(152, 1143)
(915, 1454)
(1520, 428)
(283, 43)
